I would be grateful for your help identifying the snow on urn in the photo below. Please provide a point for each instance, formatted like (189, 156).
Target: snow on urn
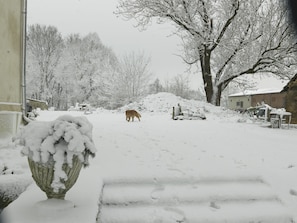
(57, 151)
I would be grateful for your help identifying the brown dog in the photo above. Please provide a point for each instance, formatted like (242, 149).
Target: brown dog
(131, 114)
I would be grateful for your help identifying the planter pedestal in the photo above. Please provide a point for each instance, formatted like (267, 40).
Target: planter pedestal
(43, 175)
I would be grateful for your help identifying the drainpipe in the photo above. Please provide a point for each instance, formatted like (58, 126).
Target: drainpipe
(24, 36)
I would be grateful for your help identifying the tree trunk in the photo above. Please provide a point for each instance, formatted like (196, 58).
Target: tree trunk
(206, 73)
(217, 95)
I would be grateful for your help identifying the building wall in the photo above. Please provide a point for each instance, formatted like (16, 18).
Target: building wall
(239, 103)
(291, 100)
(242, 102)
(275, 100)
(11, 43)
(10, 55)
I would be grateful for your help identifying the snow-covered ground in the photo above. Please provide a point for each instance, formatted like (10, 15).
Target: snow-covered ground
(169, 170)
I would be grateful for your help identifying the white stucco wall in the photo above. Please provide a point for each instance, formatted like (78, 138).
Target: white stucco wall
(10, 55)
(233, 102)
(11, 23)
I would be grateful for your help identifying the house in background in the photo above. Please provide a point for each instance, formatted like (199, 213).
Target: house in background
(252, 98)
(290, 91)
(35, 104)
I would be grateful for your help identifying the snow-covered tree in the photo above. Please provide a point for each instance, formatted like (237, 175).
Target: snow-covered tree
(66, 71)
(87, 67)
(225, 38)
(44, 46)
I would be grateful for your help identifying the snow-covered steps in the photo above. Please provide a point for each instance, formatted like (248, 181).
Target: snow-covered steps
(238, 200)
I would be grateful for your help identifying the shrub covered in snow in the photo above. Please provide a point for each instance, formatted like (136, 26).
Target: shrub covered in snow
(56, 143)
(12, 185)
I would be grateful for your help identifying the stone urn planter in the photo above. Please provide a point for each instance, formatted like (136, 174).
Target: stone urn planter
(57, 151)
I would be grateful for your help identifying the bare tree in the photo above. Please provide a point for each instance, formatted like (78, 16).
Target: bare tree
(155, 87)
(180, 86)
(227, 38)
(134, 75)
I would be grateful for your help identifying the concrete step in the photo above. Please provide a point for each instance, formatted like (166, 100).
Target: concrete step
(213, 200)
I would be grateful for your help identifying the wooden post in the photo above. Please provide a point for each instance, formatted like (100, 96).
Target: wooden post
(173, 113)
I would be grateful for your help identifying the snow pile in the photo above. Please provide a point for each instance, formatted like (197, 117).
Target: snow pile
(10, 159)
(160, 102)
(58, 141)
(14, 172)
(164, 102)
(12, 185)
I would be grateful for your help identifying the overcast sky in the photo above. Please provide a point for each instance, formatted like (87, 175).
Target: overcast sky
(86, 16)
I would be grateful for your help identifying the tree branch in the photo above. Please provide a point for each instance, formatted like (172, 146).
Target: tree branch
(228, 22)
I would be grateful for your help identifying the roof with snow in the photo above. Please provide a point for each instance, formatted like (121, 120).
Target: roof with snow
(288, 84)
(255, 92)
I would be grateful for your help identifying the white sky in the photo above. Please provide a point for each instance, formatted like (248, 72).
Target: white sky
(86, 16)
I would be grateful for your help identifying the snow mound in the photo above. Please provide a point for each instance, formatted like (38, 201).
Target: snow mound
(164, 102)
(160, 102)
(13, 185)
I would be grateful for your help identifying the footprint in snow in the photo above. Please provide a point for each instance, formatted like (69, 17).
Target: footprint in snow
(156, 192)
(176, 214)
(293, 192)
(214, 205)
(176, 170)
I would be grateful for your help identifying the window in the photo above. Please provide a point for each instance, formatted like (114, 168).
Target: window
(239, 104)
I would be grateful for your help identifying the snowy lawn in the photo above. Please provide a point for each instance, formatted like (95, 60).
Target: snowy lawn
(158, 150)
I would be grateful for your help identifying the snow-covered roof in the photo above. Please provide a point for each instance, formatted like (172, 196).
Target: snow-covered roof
(31, 99)
(289, 83)
(254, 92)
